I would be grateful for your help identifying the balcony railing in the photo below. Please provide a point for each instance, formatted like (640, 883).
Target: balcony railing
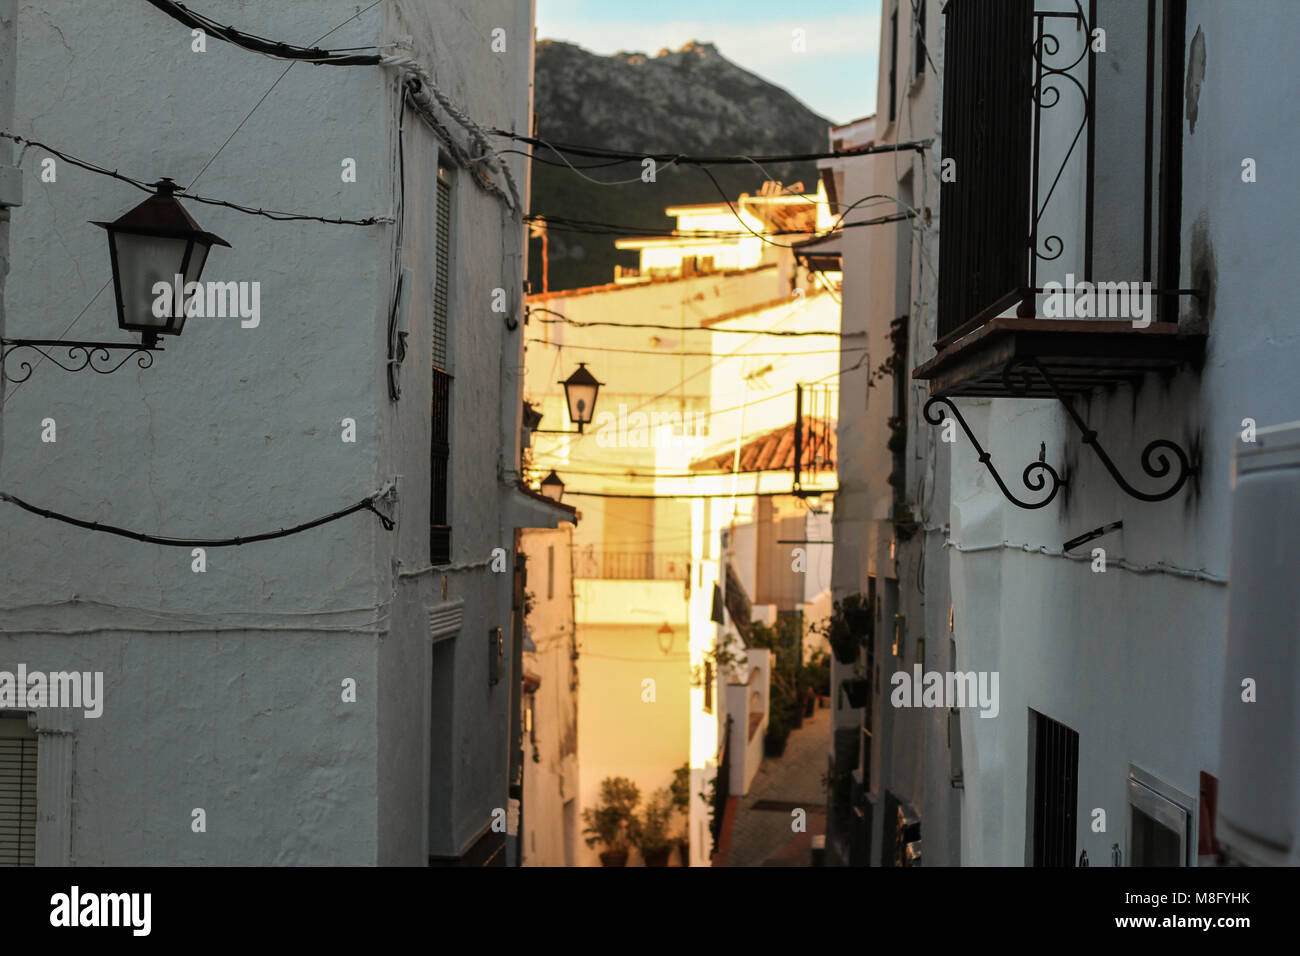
(1064, 176)
(631, 565)
(1060, 204)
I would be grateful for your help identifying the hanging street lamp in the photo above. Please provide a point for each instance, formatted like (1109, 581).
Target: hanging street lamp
(157, 242)
(580, 390)
(665, 634)
(552, 486)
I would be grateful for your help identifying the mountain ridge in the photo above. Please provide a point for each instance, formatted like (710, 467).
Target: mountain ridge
(691, 100)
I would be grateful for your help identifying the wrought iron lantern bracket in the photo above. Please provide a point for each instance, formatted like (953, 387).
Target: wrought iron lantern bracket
(99, 357)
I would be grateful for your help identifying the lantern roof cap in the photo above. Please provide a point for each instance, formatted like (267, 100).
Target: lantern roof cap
(581, 376)
(161, 215)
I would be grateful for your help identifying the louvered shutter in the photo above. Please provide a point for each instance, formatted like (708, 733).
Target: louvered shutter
(17, 793)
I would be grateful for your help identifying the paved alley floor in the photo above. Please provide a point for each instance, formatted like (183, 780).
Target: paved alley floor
(764, 837)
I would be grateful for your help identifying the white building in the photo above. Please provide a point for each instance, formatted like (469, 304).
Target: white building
(1098, 601)
(550, 825)
(648, 555)
(349, 694)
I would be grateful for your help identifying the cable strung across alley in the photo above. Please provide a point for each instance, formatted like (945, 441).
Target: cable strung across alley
(365, 504)
(148, 187)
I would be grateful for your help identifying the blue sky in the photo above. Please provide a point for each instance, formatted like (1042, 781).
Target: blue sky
(836, 76)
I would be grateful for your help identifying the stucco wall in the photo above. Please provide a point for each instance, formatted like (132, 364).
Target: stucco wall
(1133, 662)
(224, 686)
(551, 761)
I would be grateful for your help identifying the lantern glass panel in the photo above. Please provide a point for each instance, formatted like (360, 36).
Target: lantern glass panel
(143, 261)
(582, 399)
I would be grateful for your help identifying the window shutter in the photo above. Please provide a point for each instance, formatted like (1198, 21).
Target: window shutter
(17, 793)
(442, 271)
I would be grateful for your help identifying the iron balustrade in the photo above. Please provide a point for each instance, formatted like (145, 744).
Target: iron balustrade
(631, 565)
(1024, 153)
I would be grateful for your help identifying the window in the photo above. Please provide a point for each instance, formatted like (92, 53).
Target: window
(708, 687)
(17, 792)
(550, 571)
(987, 86)
(893, 62)
(442, 268)
(918, 30)
(1054, 791)
(440, 416)
(1159, 824)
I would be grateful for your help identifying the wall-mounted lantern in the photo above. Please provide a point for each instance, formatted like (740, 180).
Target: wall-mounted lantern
(552, 486)
(580, 390)
(153, 243)
(666, 635)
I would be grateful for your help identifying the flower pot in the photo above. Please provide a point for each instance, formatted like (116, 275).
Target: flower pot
(657, 857)
(614, 858)
(857, 690)
(773, 746)
(809, 705)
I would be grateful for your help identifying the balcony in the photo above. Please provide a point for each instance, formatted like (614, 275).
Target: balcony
(631, 565)
(1062, 170)
(1060, 218)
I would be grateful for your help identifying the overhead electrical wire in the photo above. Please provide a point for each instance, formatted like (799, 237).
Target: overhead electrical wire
(273, 48)
(565, 320)
(425, 92)
(666, 353)
(365, 504)
(686, 159)
(810, 492)
(714, 364)
(151, 188)
(595, 228)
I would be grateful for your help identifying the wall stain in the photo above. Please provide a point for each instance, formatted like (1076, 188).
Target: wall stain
(1204, 273)
(1195, 77)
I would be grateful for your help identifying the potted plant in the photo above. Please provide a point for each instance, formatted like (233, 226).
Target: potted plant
(817, 674)
(651, 831)
(857, 690)
(608, 823)
(850, 622)
(778, 727)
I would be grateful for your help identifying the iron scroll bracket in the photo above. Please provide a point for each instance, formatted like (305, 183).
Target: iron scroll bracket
(1155, 459)
(73, 356)
(1035, 477)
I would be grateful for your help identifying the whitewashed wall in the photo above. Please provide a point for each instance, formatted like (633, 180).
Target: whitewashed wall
(1133, 662)
(223, 687)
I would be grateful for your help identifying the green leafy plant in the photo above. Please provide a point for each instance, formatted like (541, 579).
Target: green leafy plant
(727, 654)
(609, 822)
(849, 624)
(681, 788)
(651, 830)
(815, 675)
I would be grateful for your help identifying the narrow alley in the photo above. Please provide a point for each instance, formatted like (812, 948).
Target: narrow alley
(759, 829)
